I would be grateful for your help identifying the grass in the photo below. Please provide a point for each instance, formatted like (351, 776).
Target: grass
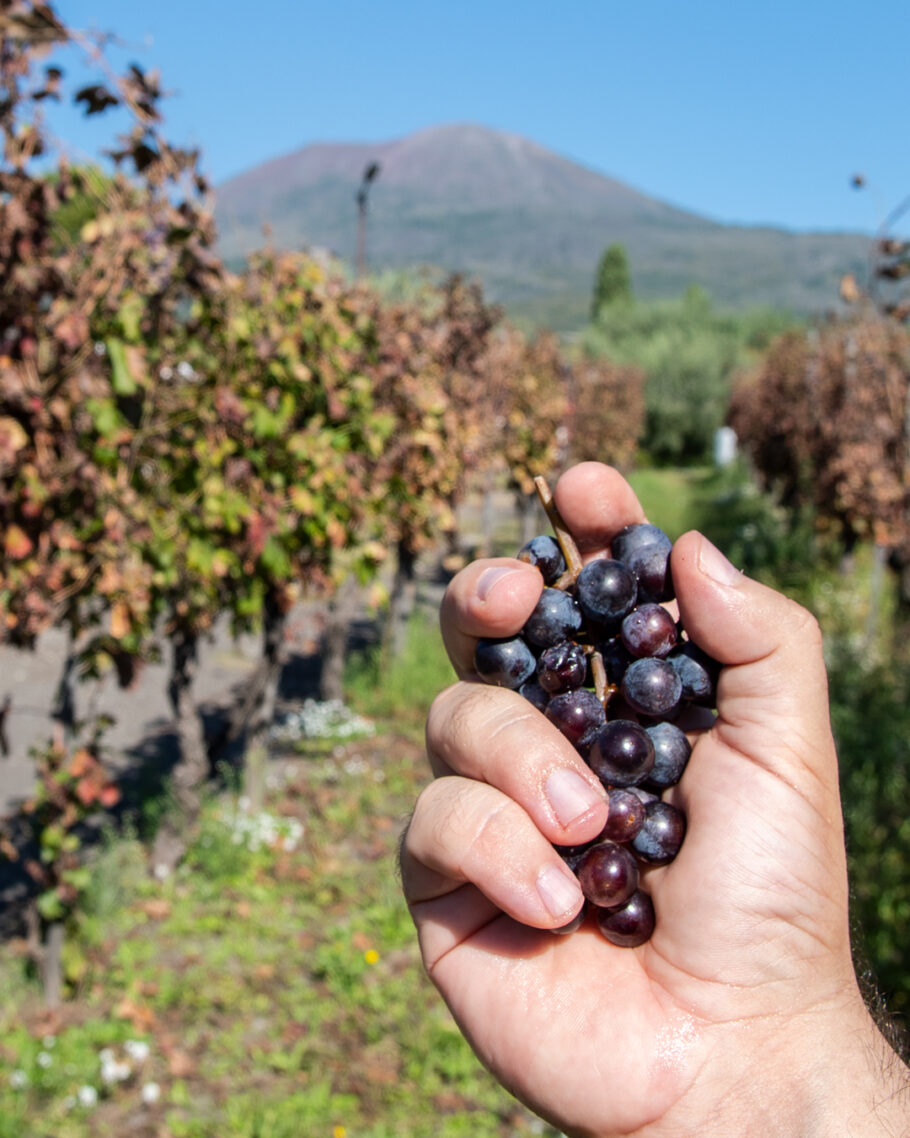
(670, 497)
(275, 979)
(402, 688)
(278, 990)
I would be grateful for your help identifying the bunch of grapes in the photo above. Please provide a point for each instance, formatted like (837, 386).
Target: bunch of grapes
(606, 662)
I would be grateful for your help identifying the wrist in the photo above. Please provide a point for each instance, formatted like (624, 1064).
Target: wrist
(862, 1086)
(833, 1074)
(823, 1073)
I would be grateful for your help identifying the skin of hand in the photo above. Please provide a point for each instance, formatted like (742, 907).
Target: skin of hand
(742, 1014)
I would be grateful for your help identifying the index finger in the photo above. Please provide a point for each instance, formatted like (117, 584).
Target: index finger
(595, 502)
(494, 598)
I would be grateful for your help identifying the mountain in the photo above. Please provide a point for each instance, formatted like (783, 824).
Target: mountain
(530, 223)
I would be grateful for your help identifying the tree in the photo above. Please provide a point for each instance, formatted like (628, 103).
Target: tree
(175, 442)
(690, 353)
(612, 284)
(431, 380)
(825, 420)
(607, 412)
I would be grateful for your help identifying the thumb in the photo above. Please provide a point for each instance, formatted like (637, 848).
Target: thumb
(773, 692)
(760, 792)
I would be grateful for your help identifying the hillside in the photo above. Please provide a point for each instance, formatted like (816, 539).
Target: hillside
(530, 223)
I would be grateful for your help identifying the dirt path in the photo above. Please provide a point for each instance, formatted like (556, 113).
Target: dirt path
(142, 714)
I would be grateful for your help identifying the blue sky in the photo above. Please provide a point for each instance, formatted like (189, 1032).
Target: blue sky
(744, 112)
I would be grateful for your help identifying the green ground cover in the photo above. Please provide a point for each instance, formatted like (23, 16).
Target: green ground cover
(271, 988)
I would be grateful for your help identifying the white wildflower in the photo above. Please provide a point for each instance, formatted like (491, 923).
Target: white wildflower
(151, 1093)
(322, 719)
(87, 1096)
(262, 830)
(137, 1049)
(18, 1080)
(115, 1071)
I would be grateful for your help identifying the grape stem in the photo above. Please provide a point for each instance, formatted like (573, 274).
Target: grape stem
(567, 544)
(602, 689)
(574, 566)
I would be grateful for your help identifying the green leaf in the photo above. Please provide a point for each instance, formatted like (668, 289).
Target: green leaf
(130, 316)
(50, 906)
(80, 878)
(266, 424)
(52, 839)
(105, 416)
(275, 560)
(200, 555)
(121, 376)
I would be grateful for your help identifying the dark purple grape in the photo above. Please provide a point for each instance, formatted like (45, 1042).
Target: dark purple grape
(661, 835)
(635, 537)
(650, 566)
(649, 630)
(555, 618)
(698, 673)
(629, 925)
(652, 688)
(627, 814)
(572, 855)
(616, 657)
(506, 663)
(578, 714)
(562, 667)
(535, 695)
(606, 591)
(671, 753)
(607, 874)
(544, 553)
(643, 794)
(621, 753)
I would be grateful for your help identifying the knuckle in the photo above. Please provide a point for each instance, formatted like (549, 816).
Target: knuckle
(437, 716)
(487, 836)
(807, 630)
(433, 796)
(465, 714)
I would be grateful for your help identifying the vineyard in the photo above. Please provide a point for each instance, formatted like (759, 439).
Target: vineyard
(187, 450)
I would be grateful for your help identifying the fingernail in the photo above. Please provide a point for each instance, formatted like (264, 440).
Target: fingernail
(559, 890)
(490, 577)
(714, 565)
(571, 796)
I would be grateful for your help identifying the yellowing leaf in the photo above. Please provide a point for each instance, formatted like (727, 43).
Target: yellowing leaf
(121, 622)
(12, 437)
(17, 543)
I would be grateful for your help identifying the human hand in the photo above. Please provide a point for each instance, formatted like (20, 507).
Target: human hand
(742, 1013)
